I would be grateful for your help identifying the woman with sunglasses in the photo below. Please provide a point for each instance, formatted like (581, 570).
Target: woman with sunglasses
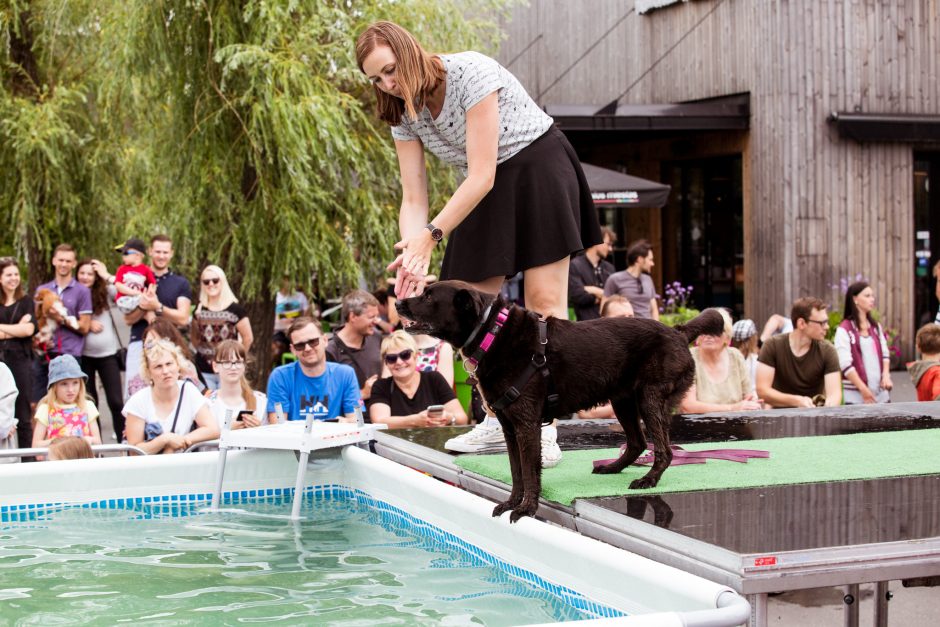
(218, 317)
(17, 326)
(235, 394)
(403, 400)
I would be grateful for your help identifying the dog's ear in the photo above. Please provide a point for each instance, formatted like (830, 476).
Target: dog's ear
(465, 302)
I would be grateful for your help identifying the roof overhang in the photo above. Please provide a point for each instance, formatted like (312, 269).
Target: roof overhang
(732, 113)
(887, 127)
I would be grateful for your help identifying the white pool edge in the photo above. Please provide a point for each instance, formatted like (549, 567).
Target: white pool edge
(556, 554)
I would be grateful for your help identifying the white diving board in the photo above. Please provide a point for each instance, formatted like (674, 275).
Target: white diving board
(307, 436)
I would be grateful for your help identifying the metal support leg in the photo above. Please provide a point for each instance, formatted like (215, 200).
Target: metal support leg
(850, 605)
(223, 453)
(882, 596)
(758, 610)
(301, 472)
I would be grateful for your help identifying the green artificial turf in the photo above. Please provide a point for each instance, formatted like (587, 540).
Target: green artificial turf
(792, 460)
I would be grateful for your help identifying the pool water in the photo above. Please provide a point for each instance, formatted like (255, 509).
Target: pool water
(347, 562)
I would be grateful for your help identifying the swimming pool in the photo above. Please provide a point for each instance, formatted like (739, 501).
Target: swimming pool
(105, 510)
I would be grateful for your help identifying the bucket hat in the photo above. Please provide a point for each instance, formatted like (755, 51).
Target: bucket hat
(742, 330)
(64, 367)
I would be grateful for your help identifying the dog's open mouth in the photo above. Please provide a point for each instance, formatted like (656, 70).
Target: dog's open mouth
(415, 327)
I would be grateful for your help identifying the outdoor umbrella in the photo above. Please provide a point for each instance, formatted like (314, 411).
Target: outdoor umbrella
(609, 187)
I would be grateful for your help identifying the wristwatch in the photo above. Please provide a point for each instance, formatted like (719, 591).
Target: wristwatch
(436, 234)
(159, 310)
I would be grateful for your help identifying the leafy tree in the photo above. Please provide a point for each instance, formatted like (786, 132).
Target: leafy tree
(262, 151)
(54, 157)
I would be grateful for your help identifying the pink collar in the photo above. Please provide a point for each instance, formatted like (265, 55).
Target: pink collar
(474, 360)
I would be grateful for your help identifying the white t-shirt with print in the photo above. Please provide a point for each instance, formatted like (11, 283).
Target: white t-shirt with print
(141, 405)
(471, 77)
(219, 407)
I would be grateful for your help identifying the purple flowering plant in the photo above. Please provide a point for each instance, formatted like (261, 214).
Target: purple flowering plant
(675, 307)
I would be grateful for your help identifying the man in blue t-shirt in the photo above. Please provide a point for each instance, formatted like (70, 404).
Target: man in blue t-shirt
(312, 385)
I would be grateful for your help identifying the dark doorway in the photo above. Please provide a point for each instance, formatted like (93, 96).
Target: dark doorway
(926, 235)
(703, 231)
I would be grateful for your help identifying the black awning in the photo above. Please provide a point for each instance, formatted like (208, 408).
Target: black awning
(887, 127)
(726, 113)
(609, 187)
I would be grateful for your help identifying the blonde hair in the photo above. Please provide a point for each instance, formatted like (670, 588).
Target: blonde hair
(226, 297)
(398, 340)
(230, 350)
(70, 447)
(51, 400)
(154, 350)
(417, 73)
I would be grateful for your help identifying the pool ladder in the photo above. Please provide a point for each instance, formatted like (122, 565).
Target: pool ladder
(303, 437)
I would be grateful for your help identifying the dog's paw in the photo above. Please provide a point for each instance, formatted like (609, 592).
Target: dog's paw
(608, 469)
(523, 510)
(644, 483)
(501, 509)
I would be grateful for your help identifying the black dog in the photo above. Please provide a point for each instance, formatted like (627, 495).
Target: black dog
(642, 366)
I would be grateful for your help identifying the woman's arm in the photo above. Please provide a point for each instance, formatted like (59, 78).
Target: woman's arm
(691, 404)
(482, 147)
(380, 413)
(207, 428)
(243, 327)
(134, 428)
(24, 328)
(453, 409)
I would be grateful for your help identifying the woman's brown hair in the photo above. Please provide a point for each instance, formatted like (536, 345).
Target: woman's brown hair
(168, 331)
(99, 289)
(417, 73)
(232, 350)
(18, 293)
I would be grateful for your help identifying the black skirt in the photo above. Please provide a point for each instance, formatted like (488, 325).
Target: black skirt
(540, 210)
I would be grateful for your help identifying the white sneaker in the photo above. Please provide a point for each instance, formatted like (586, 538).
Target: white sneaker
(551, 453)
(482, 438)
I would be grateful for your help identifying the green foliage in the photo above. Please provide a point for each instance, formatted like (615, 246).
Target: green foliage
(269, 158)
(681, 315)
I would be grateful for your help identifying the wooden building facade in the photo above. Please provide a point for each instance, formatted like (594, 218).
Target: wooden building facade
(811, 197)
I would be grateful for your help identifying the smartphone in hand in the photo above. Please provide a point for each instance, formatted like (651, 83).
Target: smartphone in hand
(435, 411)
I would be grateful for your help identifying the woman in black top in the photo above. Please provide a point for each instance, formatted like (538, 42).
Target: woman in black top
(403, 399)
(17, 327)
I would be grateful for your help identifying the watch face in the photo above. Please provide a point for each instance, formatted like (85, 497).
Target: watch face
(436, 233)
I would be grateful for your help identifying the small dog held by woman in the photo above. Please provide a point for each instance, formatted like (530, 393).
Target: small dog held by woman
(530, 370)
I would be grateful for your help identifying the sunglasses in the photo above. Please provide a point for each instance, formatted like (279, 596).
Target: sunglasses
(405, 355)
(302, 346)
(211, 281)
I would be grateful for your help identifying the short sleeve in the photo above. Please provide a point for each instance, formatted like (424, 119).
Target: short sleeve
(403, 134)
(119, 274)
(138, 404)
(278, 392)
(351, 395)
(42, 414)
(237, 310)
(382, 392)
(830, 357)
(185, 290)
(480, 77)
(610, 288)
(91, 410)
(84, 301)
(768, 354)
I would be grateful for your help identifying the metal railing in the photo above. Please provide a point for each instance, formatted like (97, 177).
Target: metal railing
(95, 448)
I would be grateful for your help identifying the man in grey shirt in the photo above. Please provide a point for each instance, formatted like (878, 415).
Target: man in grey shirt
(635, 283)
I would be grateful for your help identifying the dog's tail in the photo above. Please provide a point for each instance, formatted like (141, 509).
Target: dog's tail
(709, 322)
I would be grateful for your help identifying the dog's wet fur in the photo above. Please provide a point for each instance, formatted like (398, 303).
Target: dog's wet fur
(642, 366)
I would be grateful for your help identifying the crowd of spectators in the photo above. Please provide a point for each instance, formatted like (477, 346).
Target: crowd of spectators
(184, 368)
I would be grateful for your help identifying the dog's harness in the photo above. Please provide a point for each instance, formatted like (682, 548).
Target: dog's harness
(538, 363)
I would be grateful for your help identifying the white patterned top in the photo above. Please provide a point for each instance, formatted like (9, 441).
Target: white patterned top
(471, 77)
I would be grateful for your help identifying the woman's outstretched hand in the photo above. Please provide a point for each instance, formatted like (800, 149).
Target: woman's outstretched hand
(411, 266)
